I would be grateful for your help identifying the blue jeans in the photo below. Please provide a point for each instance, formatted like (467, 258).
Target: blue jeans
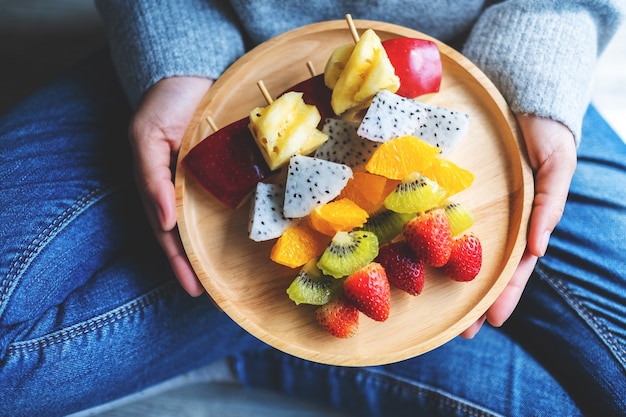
(90, 311)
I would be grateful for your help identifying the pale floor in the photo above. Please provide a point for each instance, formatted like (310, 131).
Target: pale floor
(610, 83)
(68, 30)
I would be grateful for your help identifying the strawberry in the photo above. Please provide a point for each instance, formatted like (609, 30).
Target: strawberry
(404, 269)
(430, 237)
(368, 290)
(466, 258)
(338, 317)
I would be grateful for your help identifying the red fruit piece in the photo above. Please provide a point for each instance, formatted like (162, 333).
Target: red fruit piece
(228, 163)
(404, 269)
(417, 63)
(315, 92)
(368, 290)
(338, 317)
(466, 258)
(430, 237)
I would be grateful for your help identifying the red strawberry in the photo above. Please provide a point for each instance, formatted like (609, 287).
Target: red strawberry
(368, 290)
(338, 317)
(404, 269)
(430, 237)
(466, 258)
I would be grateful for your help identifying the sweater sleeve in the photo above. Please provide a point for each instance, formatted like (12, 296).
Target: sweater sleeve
(152, 39)
(541, 54)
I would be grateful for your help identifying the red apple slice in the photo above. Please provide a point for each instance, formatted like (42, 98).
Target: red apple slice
(227, 163)
(417, 63)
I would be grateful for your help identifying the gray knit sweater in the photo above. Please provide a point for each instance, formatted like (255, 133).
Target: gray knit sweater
(540, 54)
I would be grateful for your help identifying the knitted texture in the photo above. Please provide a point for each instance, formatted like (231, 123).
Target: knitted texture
(151, 40)
(541, 54)
(444, 20)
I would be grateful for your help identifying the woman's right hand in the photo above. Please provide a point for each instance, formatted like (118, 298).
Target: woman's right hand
(156, 133)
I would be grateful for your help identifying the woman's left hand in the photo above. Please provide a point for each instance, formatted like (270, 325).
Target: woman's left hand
(552, 155)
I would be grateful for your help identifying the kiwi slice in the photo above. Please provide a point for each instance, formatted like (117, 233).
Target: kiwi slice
(460, 217)
(312, 287)
(348, 252)
(386, 224)
(415, 194)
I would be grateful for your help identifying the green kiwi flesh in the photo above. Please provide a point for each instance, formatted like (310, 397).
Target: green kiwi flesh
(415, 194)
(312, 287)
(348, 252)
(460, 217)
(387, 224)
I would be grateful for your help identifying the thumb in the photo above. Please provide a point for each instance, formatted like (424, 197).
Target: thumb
(552, 153)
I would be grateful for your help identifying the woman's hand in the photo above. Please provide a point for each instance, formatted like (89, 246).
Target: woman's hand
(156, 133)
(552, 154)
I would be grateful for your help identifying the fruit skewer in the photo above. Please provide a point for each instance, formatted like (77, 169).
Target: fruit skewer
(266, 94)
(352, 27)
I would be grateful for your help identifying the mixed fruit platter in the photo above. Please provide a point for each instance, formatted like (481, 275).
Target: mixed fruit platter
(347, 173)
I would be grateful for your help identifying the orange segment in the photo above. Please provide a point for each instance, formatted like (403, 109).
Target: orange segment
(449, 175)
(367, 190)
(340, 215)
(398, 157)
(298, 245)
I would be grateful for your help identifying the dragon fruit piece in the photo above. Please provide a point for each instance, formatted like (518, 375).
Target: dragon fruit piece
(442, 127)
(312, 182)
(266, 213)
(344, 146)
(390, 116)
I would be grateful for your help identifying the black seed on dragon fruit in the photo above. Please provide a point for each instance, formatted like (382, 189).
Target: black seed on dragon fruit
(344, 145)
(312, 182)
(390, 116)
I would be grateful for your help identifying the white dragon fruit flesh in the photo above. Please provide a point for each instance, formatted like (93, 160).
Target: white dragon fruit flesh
(344, 145)
(391, 116)
(266, 213)
(312, 182)
(442, 127)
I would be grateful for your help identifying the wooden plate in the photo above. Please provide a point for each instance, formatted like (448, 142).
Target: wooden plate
(250, 288)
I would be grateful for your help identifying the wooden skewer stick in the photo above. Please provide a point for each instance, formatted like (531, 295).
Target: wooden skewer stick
(211, 123)
(309, 65)
(264, 91)
(355, 34)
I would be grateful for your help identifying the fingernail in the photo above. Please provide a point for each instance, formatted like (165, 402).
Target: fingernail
(544, 242)
(160, 216)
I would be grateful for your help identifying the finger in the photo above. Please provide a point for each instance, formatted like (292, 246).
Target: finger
(156, 134)
(551, 189)
(157, 192)
(171, 244)
(552, 153)
(506, 302)
(471, 331)
(154, 178)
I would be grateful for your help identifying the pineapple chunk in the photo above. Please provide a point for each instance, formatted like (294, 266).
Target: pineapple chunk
(367, 71)
(286, 127)
(315, 139)
(336, 63)
(380, 77)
